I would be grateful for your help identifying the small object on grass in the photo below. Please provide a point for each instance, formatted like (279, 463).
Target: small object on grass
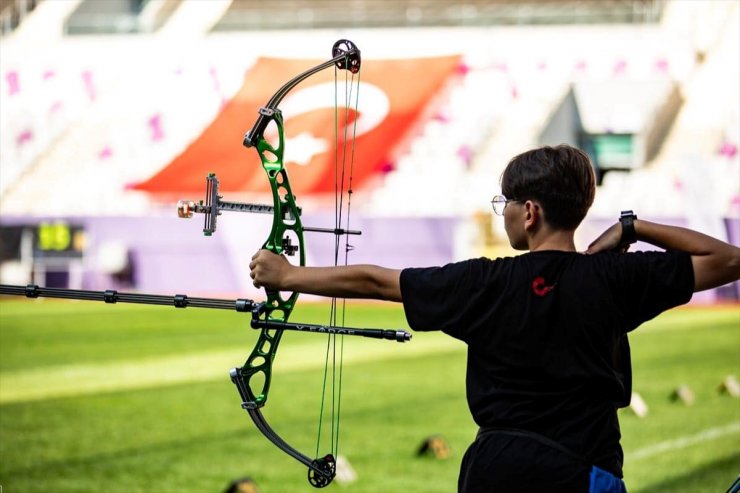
(243, 485)
(684, 394)
(730, 386)
(435, 446)
(345, 473)
(638, 405)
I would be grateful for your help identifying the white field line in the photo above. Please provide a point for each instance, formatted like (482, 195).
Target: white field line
(93, 378)
(684, 441)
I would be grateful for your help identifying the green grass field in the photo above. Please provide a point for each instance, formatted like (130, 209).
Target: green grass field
(136, 398)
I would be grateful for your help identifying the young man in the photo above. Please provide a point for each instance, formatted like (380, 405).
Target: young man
(548, 355)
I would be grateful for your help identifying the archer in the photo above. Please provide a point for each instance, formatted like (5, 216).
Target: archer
(547, 331)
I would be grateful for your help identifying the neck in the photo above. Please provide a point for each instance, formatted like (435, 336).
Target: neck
(547, 239)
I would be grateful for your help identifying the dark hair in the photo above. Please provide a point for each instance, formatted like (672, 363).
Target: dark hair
(560, 178)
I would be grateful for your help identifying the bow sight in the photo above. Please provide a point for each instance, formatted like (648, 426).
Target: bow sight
(213, 206)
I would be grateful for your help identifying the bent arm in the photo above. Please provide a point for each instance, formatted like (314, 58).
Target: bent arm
(352, 281)
(715, 262)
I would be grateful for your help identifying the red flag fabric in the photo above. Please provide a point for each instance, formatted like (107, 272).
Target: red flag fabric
(392, 93)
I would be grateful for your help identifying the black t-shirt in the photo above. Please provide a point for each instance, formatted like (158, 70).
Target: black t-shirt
(547, 336)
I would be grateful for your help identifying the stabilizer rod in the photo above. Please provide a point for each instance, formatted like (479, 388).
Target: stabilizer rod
(112, 296)
(184, 301)
(397, 335)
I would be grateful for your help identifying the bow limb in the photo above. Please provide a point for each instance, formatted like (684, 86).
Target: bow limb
(346, 56)
(321, 470)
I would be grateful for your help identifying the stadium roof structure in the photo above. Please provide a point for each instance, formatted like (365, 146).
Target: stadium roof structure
(132, 16)
(296, 14)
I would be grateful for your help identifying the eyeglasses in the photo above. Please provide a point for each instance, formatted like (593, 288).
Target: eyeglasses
(499, 204)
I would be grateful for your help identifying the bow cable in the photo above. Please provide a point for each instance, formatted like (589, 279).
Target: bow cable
(334, 347)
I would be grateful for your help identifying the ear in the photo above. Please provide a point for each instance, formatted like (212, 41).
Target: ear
(533, 215)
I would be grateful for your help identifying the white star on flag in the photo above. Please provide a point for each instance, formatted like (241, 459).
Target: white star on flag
(303, 147)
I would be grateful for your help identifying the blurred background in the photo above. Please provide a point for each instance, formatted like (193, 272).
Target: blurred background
(112, 110)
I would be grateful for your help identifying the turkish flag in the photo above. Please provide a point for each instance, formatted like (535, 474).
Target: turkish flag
(391, 94)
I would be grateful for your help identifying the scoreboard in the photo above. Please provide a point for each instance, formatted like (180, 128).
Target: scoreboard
(48, 240)
(59, 240)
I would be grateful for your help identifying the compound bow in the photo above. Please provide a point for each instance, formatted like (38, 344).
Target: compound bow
(270, 316)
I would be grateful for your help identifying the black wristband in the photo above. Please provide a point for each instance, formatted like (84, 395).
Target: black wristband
(627, 220)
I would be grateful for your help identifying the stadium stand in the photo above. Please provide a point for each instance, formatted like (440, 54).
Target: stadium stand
(524, 80)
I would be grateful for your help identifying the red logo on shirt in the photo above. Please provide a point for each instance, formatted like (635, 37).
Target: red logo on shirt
(539, 288)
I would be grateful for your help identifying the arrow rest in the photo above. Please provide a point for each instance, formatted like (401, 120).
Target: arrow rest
(288, 247)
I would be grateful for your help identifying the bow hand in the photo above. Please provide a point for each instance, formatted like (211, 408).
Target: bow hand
(269, 270)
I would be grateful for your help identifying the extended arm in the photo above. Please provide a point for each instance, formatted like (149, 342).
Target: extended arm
(715, 262)
(353, 281)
